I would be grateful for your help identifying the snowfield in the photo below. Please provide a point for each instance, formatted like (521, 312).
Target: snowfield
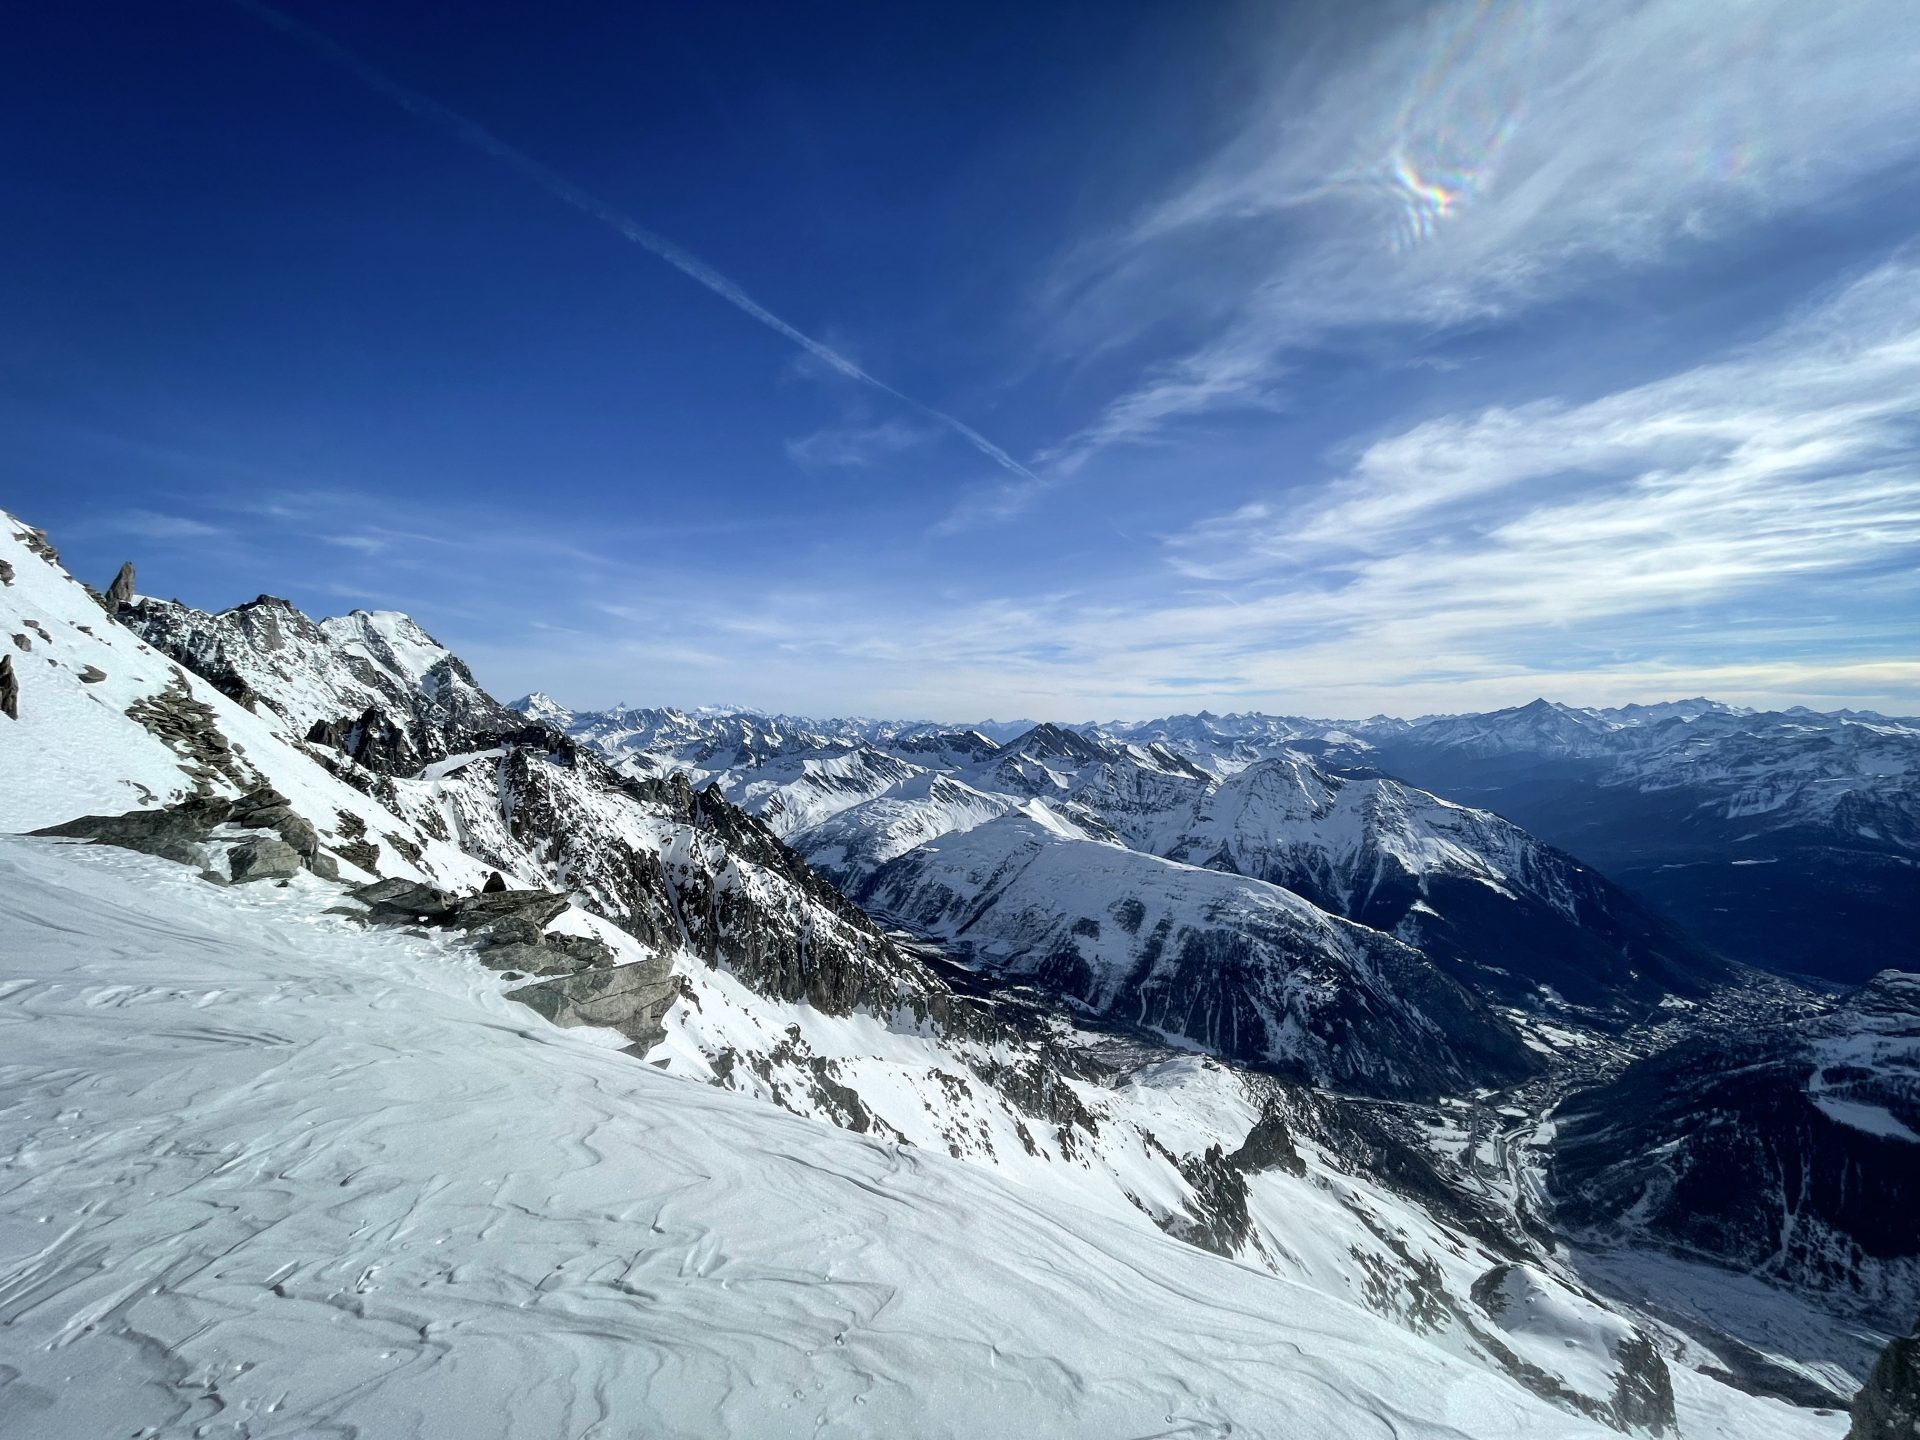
(269, 1174)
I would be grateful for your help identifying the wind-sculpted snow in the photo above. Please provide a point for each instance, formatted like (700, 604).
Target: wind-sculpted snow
(1244, 968)
(273, 1175)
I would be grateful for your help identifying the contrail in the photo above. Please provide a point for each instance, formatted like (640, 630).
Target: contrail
(472, 133)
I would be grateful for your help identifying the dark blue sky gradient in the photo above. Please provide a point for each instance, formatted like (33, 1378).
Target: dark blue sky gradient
(267, 329)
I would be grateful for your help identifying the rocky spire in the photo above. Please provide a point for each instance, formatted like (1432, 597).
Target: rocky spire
(121, 591)
(9, 689)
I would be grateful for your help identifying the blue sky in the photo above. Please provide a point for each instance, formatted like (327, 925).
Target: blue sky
(1067, 360)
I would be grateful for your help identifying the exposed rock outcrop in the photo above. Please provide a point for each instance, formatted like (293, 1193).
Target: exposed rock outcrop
(1888, 1405)
(175, 833)
(187, 726)
(181, 832)
(267, 809)
(9, 689)
(628, 998)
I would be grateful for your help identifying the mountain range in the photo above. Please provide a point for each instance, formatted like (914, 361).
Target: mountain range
(1308, 1090)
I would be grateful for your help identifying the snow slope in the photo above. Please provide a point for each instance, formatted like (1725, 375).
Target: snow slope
(105, 745)
(270, 1174)
(1241, 967)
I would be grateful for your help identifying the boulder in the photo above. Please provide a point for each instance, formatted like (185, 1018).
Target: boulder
(262, 817)
(91, 674)
(9, 689)
(409, 899)
(301, 835)
(1888, 1405)
(260, 798)
(512, 930)
(495, 884)
(263, 857)
(628, 998)
(121, 591)
(286, 822)
(323, 865)
(589, 950)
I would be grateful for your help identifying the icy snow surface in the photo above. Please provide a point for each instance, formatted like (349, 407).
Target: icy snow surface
(269, 1174)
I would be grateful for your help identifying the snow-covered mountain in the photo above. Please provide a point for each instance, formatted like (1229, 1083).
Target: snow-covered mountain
(1785, 839)
(1789, 839)
(727, 961)
(371, 682)
(1510, 916)
(1246, 969)
(363, 1023)
(1516, 921)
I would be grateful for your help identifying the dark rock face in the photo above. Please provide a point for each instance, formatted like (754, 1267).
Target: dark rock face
(121, 592)
(9, 689)
(262, 857)
(494, 884)
(267, 809)
(1888, 1405)
(353, 846)
(1788, 1147)
(728, 890)
(1642, 1388)
(176, 833)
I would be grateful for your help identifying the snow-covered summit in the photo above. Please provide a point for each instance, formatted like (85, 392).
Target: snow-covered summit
(543, 708)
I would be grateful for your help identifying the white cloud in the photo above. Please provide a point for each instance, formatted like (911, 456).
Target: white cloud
(858, 446)
(1489, 156)
(1748, 528)
(154, 526)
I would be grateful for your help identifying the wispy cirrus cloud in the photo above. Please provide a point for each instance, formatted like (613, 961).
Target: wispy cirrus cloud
(857, 445)
(1483, 158)
(1748, 527)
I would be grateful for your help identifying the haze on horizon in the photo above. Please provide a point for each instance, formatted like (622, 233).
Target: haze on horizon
(1079, 361)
